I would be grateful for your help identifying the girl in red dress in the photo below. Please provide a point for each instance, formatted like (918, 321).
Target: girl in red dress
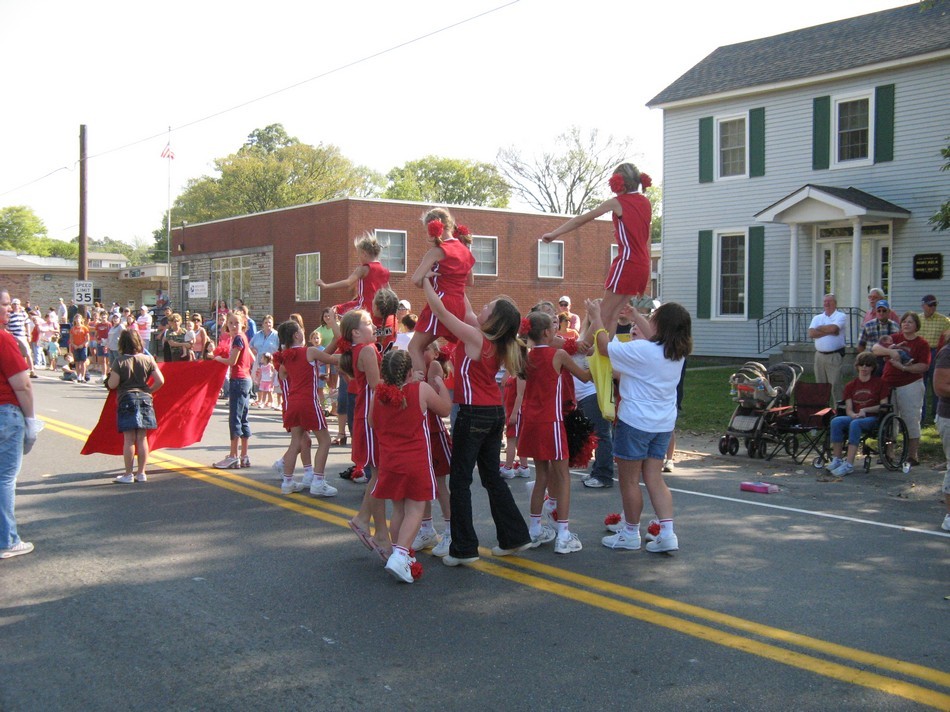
(302, 411)
(449, 262)
(359, 360)
(541, 433)
(629, 272)
(369, 276)
(400, 417)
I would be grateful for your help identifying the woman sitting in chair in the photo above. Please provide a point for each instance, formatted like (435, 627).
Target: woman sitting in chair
(863, 398)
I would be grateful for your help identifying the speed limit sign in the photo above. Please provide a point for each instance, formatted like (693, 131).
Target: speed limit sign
(82, 293)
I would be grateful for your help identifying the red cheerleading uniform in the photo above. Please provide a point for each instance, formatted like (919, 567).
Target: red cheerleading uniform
(449, 282)
(541, 433)
(475, 380)
(301, 395)
(366, 287)
(440, 445)
(511, 395)
(406, 472)
(630, 271)
(365, 446)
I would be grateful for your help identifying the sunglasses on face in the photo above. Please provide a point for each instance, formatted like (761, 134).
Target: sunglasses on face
(883, 310)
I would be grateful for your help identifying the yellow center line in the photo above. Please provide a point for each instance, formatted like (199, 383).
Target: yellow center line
(533, 575)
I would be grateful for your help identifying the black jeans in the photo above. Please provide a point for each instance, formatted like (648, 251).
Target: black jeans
(476, 439)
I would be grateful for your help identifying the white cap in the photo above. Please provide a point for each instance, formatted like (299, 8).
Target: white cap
(565, 298)
(403, 304)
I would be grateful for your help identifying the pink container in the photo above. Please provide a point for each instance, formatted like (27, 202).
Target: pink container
(761, 487)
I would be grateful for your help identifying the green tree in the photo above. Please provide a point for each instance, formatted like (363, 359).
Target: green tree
(435, 179)
(569, 180)
(21, 230)
(941, 219)
(655, 194)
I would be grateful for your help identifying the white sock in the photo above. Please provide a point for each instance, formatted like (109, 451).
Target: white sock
(308, 470)
(562, 532)
(666, 526)
(426, 525)
(448, 528)
(535, 528)
(631, 529)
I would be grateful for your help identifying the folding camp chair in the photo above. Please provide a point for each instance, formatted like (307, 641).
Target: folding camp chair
(806, 429)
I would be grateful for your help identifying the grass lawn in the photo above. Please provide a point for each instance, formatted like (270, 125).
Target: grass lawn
(707, 408)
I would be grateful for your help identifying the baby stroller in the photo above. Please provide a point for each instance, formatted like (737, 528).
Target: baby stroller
(762, 396)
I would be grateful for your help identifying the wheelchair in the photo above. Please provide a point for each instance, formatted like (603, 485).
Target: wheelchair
(888, 442)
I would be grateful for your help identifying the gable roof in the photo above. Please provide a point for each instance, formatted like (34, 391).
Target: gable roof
(850, 202)
(844, 45)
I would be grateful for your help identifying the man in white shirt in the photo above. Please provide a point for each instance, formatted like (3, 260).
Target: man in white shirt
(144, 324)
(828, 329)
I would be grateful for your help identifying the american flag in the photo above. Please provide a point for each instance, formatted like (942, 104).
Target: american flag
(167, 152)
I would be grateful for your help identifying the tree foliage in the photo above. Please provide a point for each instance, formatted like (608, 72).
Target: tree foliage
(454, 181)
(941, 219)
(23, 232)
(570, 179)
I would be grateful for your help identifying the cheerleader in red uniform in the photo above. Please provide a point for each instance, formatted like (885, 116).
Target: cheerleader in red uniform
(629, 273)
(400, 417)
(369, 276)
(302, 411)
(541, 433)
(514, 394)
(359, 360)
(450, 262)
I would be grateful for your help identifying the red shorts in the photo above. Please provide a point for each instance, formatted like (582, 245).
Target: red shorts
(303, 415)
(364, 444)
(542, 441)
(627, 277)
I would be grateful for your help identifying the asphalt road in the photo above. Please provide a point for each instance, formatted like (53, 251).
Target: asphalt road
(209, 590)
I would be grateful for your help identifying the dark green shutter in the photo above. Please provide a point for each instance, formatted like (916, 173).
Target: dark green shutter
(756, 272)
(704, 276)
(884, 123)
(821, 133)
(706, 150)
(756, 143)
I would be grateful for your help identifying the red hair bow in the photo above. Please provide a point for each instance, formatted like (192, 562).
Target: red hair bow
(617, 183)
(645, 181)
(388, 394)
(461, 231)
(344, 346)
(525, 326)
(435, 228)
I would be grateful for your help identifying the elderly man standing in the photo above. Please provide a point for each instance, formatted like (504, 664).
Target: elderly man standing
(828, 330)
(932, 326)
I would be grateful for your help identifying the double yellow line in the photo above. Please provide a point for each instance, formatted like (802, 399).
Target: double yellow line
(622, 600)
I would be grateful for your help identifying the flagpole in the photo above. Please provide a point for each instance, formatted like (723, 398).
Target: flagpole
(168, 232)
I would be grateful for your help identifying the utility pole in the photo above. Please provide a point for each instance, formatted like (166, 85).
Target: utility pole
(83, 246)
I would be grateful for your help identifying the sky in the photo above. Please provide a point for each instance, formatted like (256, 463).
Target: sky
(385, 82)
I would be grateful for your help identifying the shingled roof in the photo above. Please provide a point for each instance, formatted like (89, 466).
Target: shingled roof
(833, 47)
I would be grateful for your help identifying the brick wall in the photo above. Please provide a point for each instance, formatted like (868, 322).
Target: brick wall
(34, 287)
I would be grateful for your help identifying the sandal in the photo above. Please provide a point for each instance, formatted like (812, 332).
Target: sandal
(341, 440)
(364, 536)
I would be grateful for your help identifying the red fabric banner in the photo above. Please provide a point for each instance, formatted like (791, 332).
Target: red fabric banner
(183, 407)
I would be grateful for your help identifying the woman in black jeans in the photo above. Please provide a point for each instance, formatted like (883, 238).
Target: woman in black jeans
(480, 424)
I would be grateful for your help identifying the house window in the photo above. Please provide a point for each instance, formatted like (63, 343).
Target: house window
(485, 250)
(551, 259)
(116, 265)
(730, 278)
(231, 277)
(307, 270)
(731, 148)
(95, 264)
(393, 254)
(853, 129)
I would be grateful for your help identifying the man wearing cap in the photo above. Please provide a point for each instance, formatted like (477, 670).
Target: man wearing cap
(932, 326)
(881, 327)
(876, 294)
(402, 310)
(828, 329)
(573, 321)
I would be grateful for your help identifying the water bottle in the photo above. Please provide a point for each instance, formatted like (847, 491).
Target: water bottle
(906, 466)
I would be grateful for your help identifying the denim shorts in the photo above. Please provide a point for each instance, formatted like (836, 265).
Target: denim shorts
(135, 412)
(81, 354)
(633, 444)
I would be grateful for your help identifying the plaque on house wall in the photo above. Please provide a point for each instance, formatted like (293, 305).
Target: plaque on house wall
(929, 266)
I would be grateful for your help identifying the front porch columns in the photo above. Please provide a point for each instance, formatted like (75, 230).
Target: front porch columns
(793, 266)
(856, 291)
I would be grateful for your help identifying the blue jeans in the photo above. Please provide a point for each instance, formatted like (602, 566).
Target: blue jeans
(854, 427)
(603, 467)
(12, 426)
(239, 396)
(476, 439)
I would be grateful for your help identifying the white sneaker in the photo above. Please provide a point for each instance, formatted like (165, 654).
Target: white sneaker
(546, 534)
(228, 463)
(141, 478)
(843, 470)
(498, 551)
(245, 461)
(398, 567)
(290, 486)
(622, 540)
(568, 545)
(425, 539)
(668, 466)
(124, 480)
(663, 542)
(946, 523)
(321, 488)
(547, 510)
(442, 548)
(18, 549)
(509, 473)
(523, 470)
(835, 463)
(279, 469)
(306, 480)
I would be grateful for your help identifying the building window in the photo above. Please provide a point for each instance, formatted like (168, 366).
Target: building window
(307, 273)
(852, 130)
(551, 259)
(116, 265)
(730, 279)
(95, 264)
(231, 277)
(731, 147)
(485, 250)
(393, 254)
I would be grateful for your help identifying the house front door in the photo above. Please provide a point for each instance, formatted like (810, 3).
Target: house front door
(834, 263)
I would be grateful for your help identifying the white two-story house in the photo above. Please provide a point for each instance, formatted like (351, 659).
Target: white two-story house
(803, 164)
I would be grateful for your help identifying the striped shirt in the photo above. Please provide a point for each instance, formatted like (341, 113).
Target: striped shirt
(16, 324)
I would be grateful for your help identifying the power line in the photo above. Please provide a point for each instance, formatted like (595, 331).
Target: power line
(322, 75)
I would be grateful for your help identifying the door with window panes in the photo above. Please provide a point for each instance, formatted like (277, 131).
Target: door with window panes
(834, 261)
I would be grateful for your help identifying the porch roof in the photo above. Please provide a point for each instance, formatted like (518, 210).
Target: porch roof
(823, 203)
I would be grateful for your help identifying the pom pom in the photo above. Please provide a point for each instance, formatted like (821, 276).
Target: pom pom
(415, 568)
(435, 228)
(525, 326)
(581, 440)
(654, 528)
(570, 345)
(344, 346)
(461, 231)
(612, 519)
(617, 183)
(645, 181)
(446, 351)
(389, 394)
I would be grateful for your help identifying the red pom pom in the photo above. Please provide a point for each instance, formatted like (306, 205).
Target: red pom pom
(435, 228)
(525, 326)
(584, 455)
(446, 350)
(415, 568)
(570, 345)
(612, 519)
(617, 183)
(344, 346)
(654, 528)
(461, 231)
(388, 394)
(645, 181)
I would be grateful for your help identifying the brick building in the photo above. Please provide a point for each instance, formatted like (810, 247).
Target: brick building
(272, 260)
